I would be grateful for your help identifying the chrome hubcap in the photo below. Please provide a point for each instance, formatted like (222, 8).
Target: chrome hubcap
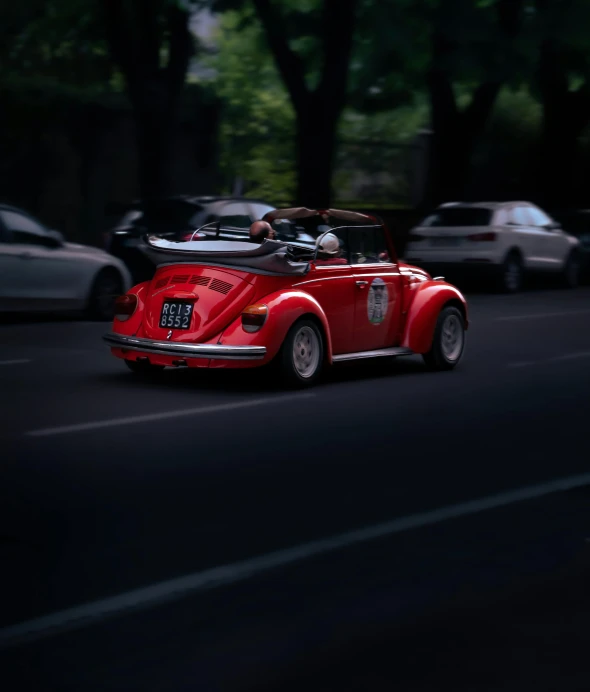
(452, 338)
(306, 352)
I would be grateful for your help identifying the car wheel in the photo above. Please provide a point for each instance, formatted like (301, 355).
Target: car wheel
(142, 368)
(106, 287)
(448, 343)
(511, 274)
(302, 354)
(571, 271)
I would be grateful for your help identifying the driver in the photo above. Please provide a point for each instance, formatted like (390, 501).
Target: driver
(260, 231)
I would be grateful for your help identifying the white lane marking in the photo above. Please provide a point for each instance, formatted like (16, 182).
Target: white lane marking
(554, 359)
(130, 420)
(175, 589)
(19, 361)
(541, 315)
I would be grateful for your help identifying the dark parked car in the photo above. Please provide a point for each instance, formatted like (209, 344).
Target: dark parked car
(175, 217)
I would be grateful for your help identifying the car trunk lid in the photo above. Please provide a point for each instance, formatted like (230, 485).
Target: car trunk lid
(217, 297)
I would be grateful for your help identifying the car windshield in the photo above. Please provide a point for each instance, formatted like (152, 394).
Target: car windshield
(459, 216)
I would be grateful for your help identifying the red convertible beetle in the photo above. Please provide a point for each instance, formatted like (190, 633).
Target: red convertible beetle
(339, 295)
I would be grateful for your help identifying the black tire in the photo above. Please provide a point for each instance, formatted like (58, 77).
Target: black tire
(511, 277)
(441, 356)
(143, 368)
(305, 369)
(570, 277)
(107, 285)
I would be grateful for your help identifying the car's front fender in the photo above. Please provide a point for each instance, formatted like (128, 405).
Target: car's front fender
(284, 309)
(426, 301)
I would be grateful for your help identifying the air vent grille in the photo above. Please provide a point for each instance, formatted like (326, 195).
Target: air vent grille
(198, 280)
(162, 282)
(180, 279)
(220, 286)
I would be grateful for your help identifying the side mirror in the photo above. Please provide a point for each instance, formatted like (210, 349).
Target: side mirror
(553, 226)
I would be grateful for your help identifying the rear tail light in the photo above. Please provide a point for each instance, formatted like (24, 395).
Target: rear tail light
(254, 317)
(490, 235)
(125, 306)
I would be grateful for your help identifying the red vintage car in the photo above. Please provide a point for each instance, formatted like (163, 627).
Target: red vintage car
(300, 306)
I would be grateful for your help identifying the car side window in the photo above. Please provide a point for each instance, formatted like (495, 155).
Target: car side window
(22, 229)
(368, 246)
(236, 215)
(520, 217)
(539, 218)
(501, 217)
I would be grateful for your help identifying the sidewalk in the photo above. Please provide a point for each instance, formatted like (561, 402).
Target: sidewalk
(534, 636)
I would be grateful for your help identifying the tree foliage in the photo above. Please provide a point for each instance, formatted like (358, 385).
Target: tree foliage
(276, 75)
(258, 121)
(58, 42)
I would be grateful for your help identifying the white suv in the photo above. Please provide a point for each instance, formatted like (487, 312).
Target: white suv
(508, 239)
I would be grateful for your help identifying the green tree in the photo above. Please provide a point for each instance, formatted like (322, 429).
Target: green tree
(57, 43)
(258, 121)
(473, 46)
(311, 42)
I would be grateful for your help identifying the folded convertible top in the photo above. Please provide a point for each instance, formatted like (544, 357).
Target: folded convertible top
(269, 257)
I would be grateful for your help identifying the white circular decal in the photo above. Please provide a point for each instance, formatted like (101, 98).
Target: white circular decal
(378, 301)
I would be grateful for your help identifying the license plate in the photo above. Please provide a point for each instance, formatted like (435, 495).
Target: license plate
(176, 314)
(445, 242)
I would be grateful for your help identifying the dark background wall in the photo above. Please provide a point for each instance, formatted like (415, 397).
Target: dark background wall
(65, 158)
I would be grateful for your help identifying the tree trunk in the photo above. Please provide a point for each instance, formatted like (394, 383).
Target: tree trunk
(154, 150)
(455, 134)
(565, 115)
(318, 111)
(156, 119)
(316, 145)
(136, 42)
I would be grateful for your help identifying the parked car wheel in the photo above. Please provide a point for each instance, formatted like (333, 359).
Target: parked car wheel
(511, 274)
(448, 343)
(143, 368)
(108, 284)
(302, 354)
(571, 272)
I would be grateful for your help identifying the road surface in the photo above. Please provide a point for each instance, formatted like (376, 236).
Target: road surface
(199, 530)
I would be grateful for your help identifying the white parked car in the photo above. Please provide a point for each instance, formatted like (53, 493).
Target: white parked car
(505, 239)
(40, 271)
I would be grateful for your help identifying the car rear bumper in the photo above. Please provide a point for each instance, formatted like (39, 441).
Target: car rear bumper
(184, 350)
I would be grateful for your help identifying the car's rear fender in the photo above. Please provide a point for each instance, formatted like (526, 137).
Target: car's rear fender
(284, 309)
(428, 299)
(131, 326)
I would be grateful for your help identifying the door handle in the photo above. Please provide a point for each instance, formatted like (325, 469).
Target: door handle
(361, 283)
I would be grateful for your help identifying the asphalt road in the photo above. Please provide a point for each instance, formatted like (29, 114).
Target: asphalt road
(111, 484)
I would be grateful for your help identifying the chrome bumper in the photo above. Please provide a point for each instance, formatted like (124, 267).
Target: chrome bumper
(185, 350)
